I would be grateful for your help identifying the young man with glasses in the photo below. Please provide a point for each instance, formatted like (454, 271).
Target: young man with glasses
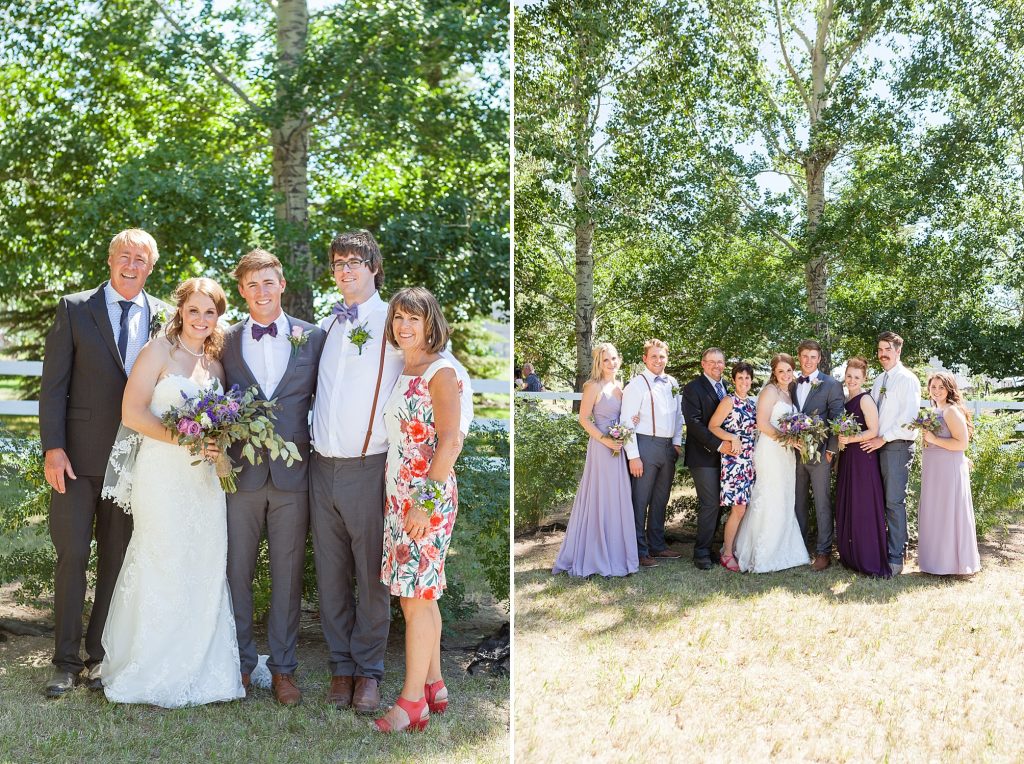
(357, 372)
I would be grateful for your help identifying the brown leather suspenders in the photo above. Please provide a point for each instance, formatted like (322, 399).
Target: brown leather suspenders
(654, 423)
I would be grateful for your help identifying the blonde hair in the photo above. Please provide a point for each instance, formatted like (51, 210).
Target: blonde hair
(953, 396)
(776, 360)
(655, 343)
(135, 237)
(256, 260)
(214, 344)
(419, 302)
(596, 353)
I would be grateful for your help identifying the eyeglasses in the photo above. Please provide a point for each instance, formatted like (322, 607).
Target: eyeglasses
(353, 265)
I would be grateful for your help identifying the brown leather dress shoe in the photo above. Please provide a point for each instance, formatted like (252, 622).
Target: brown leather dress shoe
(667, 554)
(366, 695)
(247, 684)
(648, 562)
(286, 692)
(821, 561)
(340, 694)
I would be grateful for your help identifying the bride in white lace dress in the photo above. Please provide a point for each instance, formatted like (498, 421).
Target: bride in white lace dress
(769, 536)
(170, 634)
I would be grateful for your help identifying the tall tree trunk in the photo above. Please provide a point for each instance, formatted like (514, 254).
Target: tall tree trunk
(585, 308)
(290, 140)
(816, 267)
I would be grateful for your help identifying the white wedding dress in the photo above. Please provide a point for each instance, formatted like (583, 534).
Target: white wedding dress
(170, 634)
(769, 535)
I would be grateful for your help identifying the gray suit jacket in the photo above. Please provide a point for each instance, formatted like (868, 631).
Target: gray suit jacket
(293, 396)
(825, 400)
(83, 380)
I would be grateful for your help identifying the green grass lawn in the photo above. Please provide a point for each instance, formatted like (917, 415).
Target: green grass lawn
(83, 726)
(676, 664)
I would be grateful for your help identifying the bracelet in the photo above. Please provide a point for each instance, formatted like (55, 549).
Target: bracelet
(429, 494)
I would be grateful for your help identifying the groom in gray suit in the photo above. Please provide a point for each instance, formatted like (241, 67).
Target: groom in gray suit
(90, 349)
(279, 354)
(817, 394)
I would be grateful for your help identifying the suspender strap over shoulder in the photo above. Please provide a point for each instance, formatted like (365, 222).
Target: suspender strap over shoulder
(654, 423)
(376, 395)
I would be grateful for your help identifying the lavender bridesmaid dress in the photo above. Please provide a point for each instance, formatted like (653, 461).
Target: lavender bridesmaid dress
(601, 537)
(947, 542)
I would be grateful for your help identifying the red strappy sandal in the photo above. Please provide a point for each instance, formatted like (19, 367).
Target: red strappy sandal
(729, 563)
(430, 693)
(416, 710)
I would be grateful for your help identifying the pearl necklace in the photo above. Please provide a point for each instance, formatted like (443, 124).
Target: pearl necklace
(184, 347)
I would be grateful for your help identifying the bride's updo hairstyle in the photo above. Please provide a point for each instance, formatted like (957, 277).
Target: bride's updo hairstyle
(776, 360)
(214, 344)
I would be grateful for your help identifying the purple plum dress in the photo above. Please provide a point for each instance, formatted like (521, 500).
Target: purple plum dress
(860, 506)
(947, 541)
(601, 537)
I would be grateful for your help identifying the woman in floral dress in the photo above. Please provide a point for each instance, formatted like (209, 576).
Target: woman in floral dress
(735, 422)
(422, 420)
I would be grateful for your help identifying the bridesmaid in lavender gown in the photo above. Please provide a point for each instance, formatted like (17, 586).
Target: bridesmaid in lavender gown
(947, 540)
(600, 537)
(860, 498)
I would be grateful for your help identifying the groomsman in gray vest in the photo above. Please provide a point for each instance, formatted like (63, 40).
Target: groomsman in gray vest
(90, 349)
(818, 394)
(358, 370)
(897, 392)
(653, 396)
(278, 353)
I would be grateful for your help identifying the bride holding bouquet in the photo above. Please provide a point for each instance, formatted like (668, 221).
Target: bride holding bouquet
(600, 537)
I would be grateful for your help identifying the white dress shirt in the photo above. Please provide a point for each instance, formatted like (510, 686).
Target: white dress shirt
(346, 383)
(900, 404)
(803, 389)
(268, 357)
(138, 323)
(668, 414)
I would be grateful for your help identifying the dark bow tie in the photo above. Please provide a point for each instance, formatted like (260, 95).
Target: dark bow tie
(344, 313)
(258, 331)
(801, 379)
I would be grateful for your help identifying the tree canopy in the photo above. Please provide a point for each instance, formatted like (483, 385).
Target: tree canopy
(219, 127)
(761, 171)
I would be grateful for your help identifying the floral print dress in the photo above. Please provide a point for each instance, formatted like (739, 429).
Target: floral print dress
(737, 478)
(410, 568)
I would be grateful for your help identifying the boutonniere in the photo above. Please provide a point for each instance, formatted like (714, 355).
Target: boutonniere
(675, 390)
(298, 338)
(881, 392)
(156, 322)
(815, 383)
(359, 336)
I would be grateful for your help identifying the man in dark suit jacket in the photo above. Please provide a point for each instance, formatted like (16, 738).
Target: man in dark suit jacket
(279, 354)
(704, 450)
(90, 349)
(817, 394)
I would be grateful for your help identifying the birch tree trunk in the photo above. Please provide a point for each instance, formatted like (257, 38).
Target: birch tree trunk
(289, 137)
(584, 228)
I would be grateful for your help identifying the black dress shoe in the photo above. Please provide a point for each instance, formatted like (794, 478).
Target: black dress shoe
(60, 683)
(93, 680)
(702, 563)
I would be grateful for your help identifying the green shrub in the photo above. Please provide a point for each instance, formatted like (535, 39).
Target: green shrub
(550, 452)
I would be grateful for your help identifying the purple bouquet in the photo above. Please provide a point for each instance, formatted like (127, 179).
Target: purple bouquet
(926, 419)
(846, 425)
(621, 434)
(229, 418)
(798, 428)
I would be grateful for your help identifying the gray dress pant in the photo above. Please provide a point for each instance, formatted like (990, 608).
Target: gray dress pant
(894, 459)
(651, 491)
(816, 476)
(286, 516)
(347, 517)
(72, 517)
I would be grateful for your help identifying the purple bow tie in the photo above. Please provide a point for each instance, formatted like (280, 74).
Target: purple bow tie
(661, 378)
(801, 379)
(343, 313)
(258, 331)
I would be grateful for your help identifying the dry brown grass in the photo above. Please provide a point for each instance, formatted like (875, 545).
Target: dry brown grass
(683, 665)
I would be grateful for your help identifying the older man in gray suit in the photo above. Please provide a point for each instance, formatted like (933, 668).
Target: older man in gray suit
(279, 354)
(90, 349)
